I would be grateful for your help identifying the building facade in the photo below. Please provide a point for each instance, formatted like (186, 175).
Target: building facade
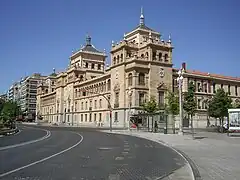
(24, 92)
(141, 67)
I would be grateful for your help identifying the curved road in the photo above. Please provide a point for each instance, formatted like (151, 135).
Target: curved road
(85, 154)
(25, 134)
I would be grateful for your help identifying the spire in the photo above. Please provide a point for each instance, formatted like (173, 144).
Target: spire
(88, 40)
(169, 39)
(141, 17)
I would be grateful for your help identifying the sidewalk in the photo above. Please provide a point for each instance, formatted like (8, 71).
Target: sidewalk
(215, 156)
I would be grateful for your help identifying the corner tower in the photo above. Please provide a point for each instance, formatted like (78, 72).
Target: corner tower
(141, 63)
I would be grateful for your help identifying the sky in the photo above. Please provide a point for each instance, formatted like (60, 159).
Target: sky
(37, 36)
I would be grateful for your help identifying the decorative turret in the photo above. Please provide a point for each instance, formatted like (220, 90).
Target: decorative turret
(88, 41)
(169, 39)
(142, 23)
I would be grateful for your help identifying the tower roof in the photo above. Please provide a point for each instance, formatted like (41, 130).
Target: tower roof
(142, 25)
(89, 47)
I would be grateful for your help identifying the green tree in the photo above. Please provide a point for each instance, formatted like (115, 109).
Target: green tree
(219, 105)
(172, 106)
(151, 106)
(8, 113)
(189, 104)
(1, 104)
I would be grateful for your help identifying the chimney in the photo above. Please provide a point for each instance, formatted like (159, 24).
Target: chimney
(184, 65)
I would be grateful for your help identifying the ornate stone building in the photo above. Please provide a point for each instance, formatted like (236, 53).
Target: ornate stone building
(141, 67)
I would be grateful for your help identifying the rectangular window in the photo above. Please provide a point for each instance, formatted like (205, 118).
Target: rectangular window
(86, 105)
(100, 103)
(199, 87)
(221, 86)
(84, 93)
(85, 117)
(161, 98)
(214, 88)
(236, 90)
(82, 106)
(116, 105)
(100, 117)
(199, 103)
(116, 117)
(90, 103)
(141, 98)
(205, 87)
(90, 117)
(75, 106)
(95, 117)
(95, 104)
(154, 55)
(81, 117)
(93, 66)
(209, 87)
(99, 66)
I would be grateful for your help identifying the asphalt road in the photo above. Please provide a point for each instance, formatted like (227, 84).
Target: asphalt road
(86, 154)
(25, 134)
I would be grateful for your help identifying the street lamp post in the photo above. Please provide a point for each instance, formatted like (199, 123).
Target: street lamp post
(180, 82)
(129, 96)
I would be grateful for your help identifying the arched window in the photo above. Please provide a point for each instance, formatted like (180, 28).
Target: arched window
(166, 58)
(141, 79)
(146, 54)
(160, 57)
(130, 79)
(117, 59)
(76, 92)
(109, 85)
(104, 87)
(114, 60)
(99, 66)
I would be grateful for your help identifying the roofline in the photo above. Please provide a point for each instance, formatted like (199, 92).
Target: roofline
(138, 29)
(210, 75)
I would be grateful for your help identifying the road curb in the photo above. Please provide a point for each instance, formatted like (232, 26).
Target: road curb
(193, 168)
(9, 132)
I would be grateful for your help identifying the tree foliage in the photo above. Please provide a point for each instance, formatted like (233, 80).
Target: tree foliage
(151, 106)
(190, 104)
(1, 104)
(172, 105)
(219, 105)
(9, 112)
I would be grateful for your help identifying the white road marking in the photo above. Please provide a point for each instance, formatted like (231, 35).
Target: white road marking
(44, 159)
(28, 142)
